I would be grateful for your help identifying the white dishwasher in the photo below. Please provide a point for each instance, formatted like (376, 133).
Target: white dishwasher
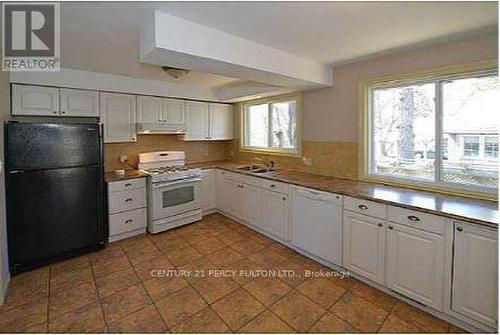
(317, 223)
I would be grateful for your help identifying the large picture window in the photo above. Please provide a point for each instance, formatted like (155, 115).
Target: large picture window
(440, 130)
(271, 126)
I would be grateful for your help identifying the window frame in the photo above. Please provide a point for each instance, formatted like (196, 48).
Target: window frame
(437, 76)
(296, 152)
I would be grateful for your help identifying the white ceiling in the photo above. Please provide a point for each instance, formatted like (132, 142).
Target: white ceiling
(104, 36)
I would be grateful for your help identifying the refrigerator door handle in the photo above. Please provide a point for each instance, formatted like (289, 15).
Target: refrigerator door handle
(16, 171)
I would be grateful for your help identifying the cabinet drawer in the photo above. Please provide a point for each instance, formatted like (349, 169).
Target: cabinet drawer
(254, 181)
(127, 221)
(127, 200)
(416, 219)
(366, 207)
(275, 186)
(124, 185)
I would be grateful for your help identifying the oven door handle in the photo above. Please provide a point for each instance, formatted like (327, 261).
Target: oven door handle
(178, 182)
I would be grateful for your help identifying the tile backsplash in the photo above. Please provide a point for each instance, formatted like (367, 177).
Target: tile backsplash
(195, 151)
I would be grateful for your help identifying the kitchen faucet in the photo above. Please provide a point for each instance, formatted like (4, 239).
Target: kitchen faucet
(269, 163)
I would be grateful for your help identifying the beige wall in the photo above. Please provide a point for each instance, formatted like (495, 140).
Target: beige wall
(4, 115)
(330, 115)
(195, 151)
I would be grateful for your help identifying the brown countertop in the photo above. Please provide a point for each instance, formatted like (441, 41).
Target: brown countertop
(129, 174)
(454, 207)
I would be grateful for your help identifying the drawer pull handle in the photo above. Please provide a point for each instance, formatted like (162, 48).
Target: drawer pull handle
(128, 200)
(272, 185)
(129, 221)
(363, 207)
(380, 224)
(284, 198)
(413, 218)
(391, 227)
(127, 185)
(460, 229)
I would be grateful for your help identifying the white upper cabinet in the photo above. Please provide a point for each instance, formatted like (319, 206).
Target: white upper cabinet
(475, 273)
(197, 121)
(118, 113)
(35, 100)
(149, 109)
(173, 111)
(79, 103)
(364, 246)
(221, 121)
(415, 264)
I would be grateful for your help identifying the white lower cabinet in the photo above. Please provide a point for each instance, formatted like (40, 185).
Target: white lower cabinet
(208, 191)
(251, 204)
(364, 246)
(475, 273)
(127, 208)
(415, 264)
(275, 214)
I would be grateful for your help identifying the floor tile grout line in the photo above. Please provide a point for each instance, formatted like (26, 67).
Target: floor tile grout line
(386, 317)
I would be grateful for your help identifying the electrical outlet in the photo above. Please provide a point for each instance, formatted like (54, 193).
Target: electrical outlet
(307, 161)
(123, 159)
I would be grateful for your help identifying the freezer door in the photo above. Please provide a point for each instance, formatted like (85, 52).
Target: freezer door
(38, 146)
(51, 212)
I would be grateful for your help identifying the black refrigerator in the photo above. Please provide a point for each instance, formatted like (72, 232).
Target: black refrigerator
(55, 191)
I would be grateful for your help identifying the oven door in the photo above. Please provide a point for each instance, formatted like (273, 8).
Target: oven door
(175, 197)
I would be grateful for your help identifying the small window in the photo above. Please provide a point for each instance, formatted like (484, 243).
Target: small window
(271, 126)
(471, 146)
(491, 147)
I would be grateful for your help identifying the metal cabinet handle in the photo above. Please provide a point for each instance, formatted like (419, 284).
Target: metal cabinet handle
(54, 112)
(129, 221)
(272, 185)
(391, 227)
(460, 229)
(128, 200)
(380, 224)
(363, 207)
(127, 185)
(413, 218)
(284, 198)
(63, 112)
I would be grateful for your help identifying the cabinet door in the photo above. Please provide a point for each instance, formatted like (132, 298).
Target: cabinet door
(149, 109)
(79, 103)
(415, 264)
(232, 200)
(118, 115)
(208, 190)
(251, 204)
(275, 214)
(220, 192)
(364, 245)
(221, 122)
(173, 111)
(197, 121)
(35, 100)
(475, 275)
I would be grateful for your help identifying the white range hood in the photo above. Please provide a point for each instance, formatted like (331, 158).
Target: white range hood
(160, 128)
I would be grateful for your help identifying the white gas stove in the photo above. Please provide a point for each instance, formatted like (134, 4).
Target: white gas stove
(173, 190)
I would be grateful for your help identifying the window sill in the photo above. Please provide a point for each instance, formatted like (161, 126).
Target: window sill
(296, 154)
(442, 188)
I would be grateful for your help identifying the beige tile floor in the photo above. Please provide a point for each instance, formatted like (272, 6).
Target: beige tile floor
(113, 290)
